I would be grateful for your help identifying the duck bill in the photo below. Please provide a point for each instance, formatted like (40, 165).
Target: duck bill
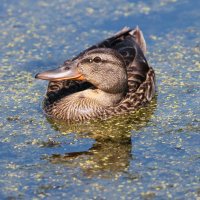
(60, 74)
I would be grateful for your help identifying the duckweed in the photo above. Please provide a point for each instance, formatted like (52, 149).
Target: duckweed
(150, 154)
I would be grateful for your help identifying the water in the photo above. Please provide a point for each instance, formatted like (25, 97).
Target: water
(152, 154)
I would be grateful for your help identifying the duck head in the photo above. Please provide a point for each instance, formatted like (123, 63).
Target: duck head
(102, 67)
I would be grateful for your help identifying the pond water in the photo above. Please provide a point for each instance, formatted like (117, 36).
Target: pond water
(152, 154)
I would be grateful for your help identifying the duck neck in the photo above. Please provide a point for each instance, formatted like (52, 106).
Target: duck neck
(103, 98)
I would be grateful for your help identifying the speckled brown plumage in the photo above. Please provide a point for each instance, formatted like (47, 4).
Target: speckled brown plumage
(73, 100)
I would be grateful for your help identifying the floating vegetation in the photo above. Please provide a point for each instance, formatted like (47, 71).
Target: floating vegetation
(151, 154)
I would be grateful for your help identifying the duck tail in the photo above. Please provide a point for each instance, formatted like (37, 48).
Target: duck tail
(139, 38)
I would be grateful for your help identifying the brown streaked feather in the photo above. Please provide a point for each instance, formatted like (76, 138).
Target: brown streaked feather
(134, 100)
(131, 45)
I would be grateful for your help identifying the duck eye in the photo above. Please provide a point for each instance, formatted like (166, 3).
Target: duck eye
(97, 59)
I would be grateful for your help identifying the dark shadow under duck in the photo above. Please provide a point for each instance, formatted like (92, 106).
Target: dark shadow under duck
(107, 79)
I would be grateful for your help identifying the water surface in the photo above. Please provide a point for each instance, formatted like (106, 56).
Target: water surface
(152, 154)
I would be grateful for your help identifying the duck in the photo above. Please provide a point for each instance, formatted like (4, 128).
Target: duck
(107, 79)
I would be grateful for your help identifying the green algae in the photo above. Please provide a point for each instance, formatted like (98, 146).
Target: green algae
(151, 154)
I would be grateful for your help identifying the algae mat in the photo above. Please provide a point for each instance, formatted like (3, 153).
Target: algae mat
(151, 154)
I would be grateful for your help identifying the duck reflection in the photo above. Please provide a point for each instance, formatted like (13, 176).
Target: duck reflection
(111, 152)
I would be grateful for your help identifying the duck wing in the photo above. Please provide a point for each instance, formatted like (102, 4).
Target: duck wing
(128, 42)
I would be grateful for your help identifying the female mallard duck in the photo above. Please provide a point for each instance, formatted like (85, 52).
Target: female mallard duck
(107, 79)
